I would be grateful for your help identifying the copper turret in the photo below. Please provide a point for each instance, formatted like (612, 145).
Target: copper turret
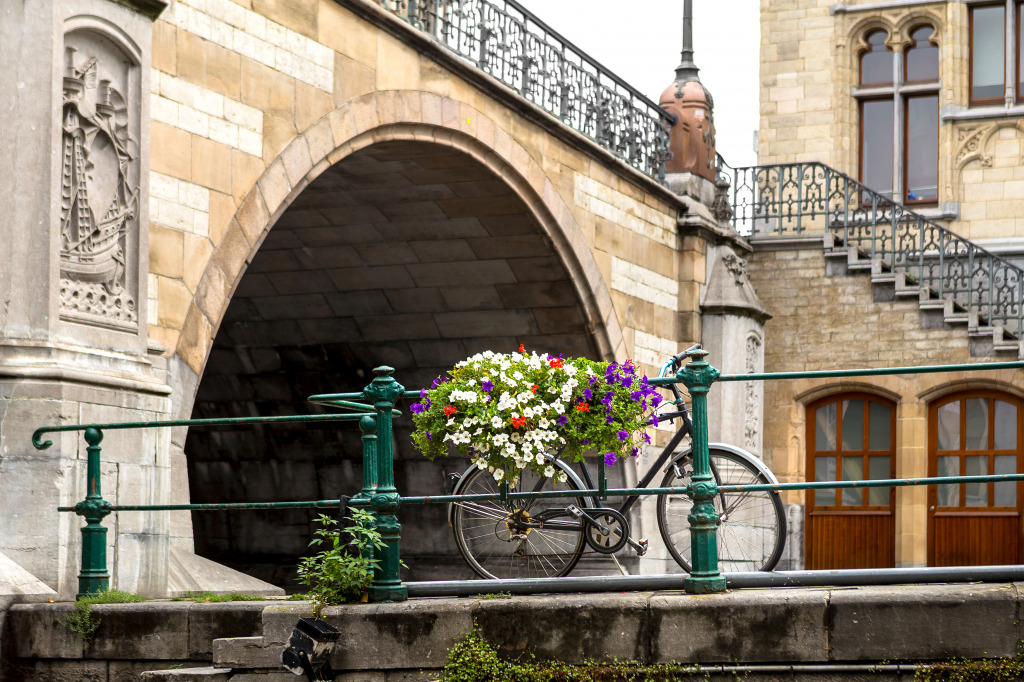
(693, 136)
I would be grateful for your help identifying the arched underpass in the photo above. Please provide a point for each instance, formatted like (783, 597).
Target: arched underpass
(408, 254)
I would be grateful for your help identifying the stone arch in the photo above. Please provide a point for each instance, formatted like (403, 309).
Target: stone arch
(857, 37)
(359, 123)
(252, 362)
(907, 24)
(986, 382)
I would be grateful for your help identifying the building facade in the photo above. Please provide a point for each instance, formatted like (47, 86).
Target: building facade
(897, 248)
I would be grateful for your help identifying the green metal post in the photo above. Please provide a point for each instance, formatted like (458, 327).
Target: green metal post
(368, 426)
(94, 575)
(387, 585)
(704, 577)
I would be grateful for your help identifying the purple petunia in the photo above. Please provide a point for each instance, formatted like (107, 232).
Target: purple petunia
(623, 435)
(647, 439)
(562, 420)
(430, 436)
(635, 452)
(586, 441)
(608, 418)
(656, 399)
(610, 459)
(417, 408)
(423, 393)
(607, 399)
(487, 385)
(654, 419)
(588, 394)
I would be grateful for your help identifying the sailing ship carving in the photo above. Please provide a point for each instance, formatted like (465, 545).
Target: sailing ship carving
(99, 203)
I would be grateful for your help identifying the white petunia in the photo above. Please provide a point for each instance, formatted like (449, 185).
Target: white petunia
(499, 474)
(549, 471)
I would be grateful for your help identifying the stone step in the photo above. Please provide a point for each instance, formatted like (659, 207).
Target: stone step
(206, 674)
(936, 313)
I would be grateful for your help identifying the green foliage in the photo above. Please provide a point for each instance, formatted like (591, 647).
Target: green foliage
(474, 659)
(342, 571)
(210, 597)
(81, 620)
(974, 670)
(507, 410)
(495, 595)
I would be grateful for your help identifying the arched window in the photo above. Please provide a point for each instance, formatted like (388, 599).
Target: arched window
(975, 433)
(876, 62)
(850, 437)
(899, 118)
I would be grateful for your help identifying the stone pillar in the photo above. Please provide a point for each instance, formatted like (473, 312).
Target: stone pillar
(73, 336)
(732, 319)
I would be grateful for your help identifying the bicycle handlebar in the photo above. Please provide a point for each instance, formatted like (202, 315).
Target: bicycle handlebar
(677, 359)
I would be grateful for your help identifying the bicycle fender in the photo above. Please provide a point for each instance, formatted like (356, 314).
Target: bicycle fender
(458, 486)
(738, 451)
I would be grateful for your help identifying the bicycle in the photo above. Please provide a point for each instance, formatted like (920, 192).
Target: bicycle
(546, 537)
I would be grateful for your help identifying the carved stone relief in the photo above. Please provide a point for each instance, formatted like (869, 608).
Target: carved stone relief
(751, 404)
(99, 209)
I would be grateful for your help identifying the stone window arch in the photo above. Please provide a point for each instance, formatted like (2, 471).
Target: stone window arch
(897, 96)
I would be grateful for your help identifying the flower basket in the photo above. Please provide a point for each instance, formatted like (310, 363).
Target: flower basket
(508, 411)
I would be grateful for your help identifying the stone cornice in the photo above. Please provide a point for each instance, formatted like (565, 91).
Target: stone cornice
(429, 48)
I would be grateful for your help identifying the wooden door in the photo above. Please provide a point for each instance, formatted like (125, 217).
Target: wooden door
(850, 437)
(978, 524)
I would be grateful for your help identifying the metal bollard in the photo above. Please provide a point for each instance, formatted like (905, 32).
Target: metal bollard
(94, 575)
(387, 585)
(697, 375)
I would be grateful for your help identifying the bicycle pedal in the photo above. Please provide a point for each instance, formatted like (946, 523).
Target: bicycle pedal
(641, 548)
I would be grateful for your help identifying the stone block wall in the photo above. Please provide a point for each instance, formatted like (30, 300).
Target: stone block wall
(810, 63)
(834, 322)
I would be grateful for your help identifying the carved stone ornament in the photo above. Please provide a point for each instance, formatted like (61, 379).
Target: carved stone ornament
(751, 404)
(99, 209)
(736, 266)
(721, 206)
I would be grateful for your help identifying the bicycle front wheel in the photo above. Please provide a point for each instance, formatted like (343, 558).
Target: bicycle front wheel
(751, 525)
(507, 539)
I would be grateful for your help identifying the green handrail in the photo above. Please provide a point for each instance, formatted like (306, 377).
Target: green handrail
(379, 494)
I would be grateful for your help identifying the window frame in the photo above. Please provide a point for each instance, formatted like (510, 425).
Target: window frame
(898, 91)
(971, 102)
(906, 148)
(812, 452)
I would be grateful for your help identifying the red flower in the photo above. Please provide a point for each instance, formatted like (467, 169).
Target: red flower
(583, 407)
(555, 363)
(521, 349)
(534, 388)
(450, 410)
(517, 422)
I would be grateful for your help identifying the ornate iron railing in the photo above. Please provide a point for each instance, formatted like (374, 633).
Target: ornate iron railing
(503, 39)
(798, 198)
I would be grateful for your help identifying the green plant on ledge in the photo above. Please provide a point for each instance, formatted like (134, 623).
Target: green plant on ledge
(342, 572)
(210, 597)
(81, 620)
(474, 659)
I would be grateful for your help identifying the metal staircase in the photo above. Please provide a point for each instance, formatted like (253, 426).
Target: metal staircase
(955, 281)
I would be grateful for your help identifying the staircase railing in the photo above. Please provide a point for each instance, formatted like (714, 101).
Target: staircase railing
(796, 198)
(502, 38)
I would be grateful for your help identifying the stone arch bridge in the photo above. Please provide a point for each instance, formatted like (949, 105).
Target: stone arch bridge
(220, 207)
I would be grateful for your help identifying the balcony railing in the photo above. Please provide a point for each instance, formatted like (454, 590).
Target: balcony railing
(502, 38)
(798, 198)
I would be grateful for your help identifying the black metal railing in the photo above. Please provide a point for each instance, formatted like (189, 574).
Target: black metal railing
(502, 38)
(797, 198)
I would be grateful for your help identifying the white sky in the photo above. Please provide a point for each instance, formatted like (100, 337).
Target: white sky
(640, 40)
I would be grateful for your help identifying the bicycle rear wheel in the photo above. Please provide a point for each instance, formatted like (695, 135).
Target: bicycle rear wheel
(491, 536)
(752, 526)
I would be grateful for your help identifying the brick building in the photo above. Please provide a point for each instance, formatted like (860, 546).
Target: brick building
(896, 249)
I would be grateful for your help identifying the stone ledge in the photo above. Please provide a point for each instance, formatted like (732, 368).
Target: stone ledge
(788, 626)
